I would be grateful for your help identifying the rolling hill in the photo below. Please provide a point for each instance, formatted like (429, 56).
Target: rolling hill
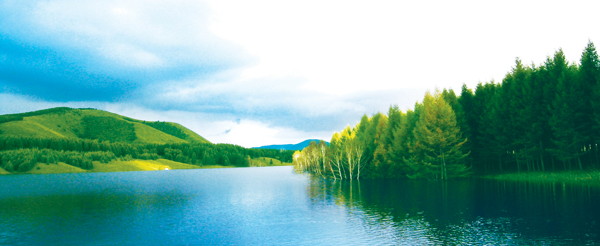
(65, 140)
(298, 146)
(88, 123)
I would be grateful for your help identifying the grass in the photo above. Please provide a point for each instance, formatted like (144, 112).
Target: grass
(60, 167)
(28, 128)
(140, 165)
(46, 126)
(115, 166)
(266, 161)
(171, 129)
(566, 176)
(147, 134)
(215, 166)
(68, 123)
(2, 171)
(191, 135)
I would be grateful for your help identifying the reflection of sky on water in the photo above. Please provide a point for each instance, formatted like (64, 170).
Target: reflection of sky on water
(274, 206)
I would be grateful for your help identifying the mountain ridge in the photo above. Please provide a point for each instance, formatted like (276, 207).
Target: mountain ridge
(298, 146)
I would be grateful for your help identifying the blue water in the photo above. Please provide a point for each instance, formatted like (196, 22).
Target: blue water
(275, 206)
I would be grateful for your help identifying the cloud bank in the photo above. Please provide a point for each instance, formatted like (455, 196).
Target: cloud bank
(268, 72)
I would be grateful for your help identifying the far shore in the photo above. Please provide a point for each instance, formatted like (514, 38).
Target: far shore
(114, 166)
(582, 177)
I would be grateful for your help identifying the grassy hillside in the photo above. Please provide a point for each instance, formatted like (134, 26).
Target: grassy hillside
(140, 165)
(147, 134)
(266, 161)
(60, 167)
(94, 124)
(88, 140)
(173, 129)
(113, 166)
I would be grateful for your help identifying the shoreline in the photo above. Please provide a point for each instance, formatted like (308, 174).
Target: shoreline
(574, 177)
(117, 166)
(113, 166)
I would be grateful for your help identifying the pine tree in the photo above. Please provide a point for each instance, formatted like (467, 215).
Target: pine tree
(589, 75)
(403, 138)
(555, 69)
(380, 166)
(567, 111)
(437, 153)
(461, 120)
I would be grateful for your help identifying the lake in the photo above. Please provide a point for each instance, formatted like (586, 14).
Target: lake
(275, 206)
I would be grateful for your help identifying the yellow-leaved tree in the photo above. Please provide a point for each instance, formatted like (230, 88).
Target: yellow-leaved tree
(436, 152)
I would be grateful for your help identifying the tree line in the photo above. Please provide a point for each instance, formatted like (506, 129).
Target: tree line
(539, 118)
(18, 154)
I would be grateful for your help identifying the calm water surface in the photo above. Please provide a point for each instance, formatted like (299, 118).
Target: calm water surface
(274, 206)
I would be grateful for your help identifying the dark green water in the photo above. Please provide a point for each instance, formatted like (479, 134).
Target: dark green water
(274, 206)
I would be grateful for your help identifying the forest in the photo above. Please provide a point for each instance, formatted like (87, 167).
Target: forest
(542, 117)
(20, 154)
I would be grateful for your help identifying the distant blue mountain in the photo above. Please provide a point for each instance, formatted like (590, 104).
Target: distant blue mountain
(298, 146)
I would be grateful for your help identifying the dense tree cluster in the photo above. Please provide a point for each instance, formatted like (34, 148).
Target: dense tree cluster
(107, 128)
(23, 160)
(424, 143)
(539, 118)
(23, 153)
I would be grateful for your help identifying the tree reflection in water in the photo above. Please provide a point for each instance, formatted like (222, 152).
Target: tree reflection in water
(465, 211)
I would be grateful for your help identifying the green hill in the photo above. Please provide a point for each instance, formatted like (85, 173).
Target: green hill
(61, 140)
(94, 124)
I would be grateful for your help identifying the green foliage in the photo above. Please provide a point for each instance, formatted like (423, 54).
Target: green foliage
(167, 128)
(68, 123)
(436, 152)
(566, 118)
(9, 118)
(422, 144)
(172, 129)
(569, 177)
(81, 152)
(23, 160)
(17, 117)
(108, 128)
(536, 119)
(78, 137)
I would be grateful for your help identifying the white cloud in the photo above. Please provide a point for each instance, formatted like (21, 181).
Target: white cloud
(219, 128)
(13, 104)
(319, 65)
(250, 133)
(122, 34)
(341, 47)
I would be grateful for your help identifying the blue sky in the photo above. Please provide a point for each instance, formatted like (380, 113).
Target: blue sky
(269, 72)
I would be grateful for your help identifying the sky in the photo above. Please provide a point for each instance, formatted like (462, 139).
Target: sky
(261, 72)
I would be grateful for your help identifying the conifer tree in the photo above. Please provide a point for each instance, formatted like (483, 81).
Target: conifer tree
(555, 69)
(567, 111)
(403, 138)
(491, 139)
(466, 103)
(589, 75)
(437, 153)
(380, 165)
(461, 119)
